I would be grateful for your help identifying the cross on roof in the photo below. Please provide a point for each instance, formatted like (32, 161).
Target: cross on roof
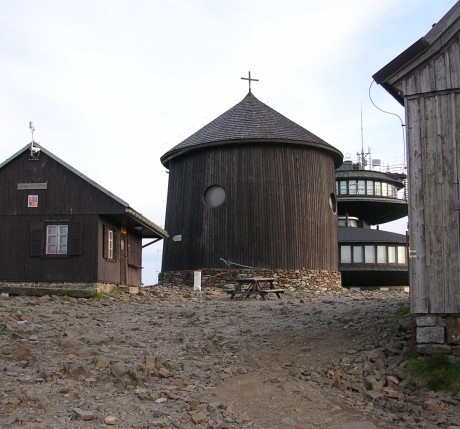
(250, 79)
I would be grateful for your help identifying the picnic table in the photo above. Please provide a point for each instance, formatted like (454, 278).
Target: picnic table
(254, 287)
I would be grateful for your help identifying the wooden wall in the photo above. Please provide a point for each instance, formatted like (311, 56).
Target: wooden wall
(434, 158)
(440, 73)
(276, 213)
(66, 192)
(432, 100)
(17, 263)
(67, 198)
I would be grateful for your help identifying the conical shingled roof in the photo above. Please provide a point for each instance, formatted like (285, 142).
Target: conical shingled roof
(250, 121)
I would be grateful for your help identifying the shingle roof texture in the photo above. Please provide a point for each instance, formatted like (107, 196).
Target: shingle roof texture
(250, 120)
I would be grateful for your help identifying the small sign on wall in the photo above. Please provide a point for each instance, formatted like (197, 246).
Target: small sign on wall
(32, 201)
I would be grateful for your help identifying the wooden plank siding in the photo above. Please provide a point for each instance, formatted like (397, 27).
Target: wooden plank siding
(276, 213)
(433, 182)
(17, 264)
(427, 81)
(57, 198)
(440, 73)
(68, 199)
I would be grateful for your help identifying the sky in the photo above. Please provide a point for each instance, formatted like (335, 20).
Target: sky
(112, 85)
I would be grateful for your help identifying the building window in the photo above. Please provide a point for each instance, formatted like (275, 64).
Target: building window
(381, 254)
(343, 187)
(401, 254)
(110, 241)
(391, 254)
(384, 189)
(370, 187)
(352, 187)
(378, 188)
(345, 254)
(369, 254)
(56, 239)
(357, 254)
(214, 196)
(361, 187)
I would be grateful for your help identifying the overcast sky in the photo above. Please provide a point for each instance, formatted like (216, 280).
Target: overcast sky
(111, 85)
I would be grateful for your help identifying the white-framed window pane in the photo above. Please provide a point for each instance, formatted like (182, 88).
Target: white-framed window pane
(392, 254)
(357, 254)
(370, 187)
(378, 188)
(343, 187)
(110, 244)
(56, 239)
(369, 254)
(345, 254)
(401, 254)
(381, 254)
(361, 187)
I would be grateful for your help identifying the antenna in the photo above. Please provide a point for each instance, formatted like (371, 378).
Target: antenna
(362, 156)
(34, 150)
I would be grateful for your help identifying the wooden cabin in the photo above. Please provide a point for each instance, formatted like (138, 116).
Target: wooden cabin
(62, 231)
(251, 190)
(425, 79)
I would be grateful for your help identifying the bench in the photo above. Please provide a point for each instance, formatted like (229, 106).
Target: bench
(254, 287)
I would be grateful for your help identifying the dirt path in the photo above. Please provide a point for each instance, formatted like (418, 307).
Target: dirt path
(174, 359)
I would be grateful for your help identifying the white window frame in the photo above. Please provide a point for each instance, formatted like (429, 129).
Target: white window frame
(57, 237)
(110, 243)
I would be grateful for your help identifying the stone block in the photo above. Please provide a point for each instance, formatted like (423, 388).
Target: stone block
(453, 330)
(434, 349)
(429, 321)
(456, 351)
(430, 334)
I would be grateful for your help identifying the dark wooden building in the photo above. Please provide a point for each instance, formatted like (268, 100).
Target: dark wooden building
(59, 229)
(251, 188)
(425, 79)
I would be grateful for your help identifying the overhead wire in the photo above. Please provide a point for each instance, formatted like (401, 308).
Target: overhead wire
(394, 114)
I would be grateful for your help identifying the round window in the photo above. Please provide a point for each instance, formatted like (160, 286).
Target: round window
(333, 203)
(214, 196)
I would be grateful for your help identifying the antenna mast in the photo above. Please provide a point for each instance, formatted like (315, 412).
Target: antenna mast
(363, 155)
(34, 150)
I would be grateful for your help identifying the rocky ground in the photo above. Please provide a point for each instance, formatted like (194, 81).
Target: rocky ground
(172, 358)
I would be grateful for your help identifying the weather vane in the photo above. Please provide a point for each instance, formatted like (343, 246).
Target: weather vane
(250, 79)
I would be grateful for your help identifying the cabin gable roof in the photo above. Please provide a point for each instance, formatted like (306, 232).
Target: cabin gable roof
(114, 207)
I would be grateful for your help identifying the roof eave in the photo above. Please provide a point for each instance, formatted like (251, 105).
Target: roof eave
(337, 155)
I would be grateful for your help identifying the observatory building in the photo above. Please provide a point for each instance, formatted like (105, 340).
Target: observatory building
(367, 196)
(252, 191)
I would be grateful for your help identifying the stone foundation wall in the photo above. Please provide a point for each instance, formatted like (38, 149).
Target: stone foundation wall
(297, 279)
(61, 286)
(438, 334)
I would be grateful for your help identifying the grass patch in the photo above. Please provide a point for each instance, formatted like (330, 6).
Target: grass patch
(403, 312)
(436, 372)
(98, 295)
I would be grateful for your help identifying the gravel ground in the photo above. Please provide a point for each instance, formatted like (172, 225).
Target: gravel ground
(172, 358)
